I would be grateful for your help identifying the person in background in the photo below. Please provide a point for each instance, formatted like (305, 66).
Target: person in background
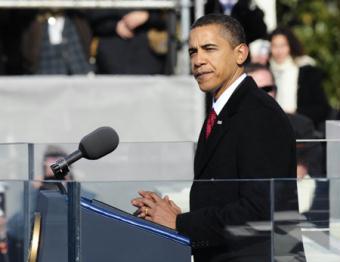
(298, 80)
(246, 12)
(16, 223)
(263, 77)
(51, 155)
(259, 51)
(53, 41)
(130, 41)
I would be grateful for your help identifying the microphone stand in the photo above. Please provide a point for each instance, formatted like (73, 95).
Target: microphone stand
(73, 211)
(73, 221)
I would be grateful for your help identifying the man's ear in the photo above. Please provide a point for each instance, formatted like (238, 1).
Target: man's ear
(241, 52)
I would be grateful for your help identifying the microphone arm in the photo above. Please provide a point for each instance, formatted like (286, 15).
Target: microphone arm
(61, 167)
(95, 145)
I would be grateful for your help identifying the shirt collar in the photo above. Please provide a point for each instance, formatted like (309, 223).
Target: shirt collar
(224, 97)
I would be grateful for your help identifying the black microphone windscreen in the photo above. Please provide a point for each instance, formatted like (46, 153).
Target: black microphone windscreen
(99, 143)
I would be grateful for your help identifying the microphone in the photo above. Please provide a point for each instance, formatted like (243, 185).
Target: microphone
(95, 145)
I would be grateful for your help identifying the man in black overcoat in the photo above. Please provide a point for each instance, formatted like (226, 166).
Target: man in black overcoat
(246, 137)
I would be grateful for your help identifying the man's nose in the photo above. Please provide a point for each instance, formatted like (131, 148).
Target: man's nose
(199, 60)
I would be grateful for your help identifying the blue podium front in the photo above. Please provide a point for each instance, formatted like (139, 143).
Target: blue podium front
(107, 234)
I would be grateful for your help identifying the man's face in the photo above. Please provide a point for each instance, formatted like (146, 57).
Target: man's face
(214, 62)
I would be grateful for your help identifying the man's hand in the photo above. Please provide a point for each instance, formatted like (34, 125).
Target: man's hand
(156, 209)
(135, 19)
(123, 30)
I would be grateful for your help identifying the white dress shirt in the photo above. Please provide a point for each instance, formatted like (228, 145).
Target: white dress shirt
(224, 97)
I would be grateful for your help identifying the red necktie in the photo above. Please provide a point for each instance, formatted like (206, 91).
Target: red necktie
(210, 123)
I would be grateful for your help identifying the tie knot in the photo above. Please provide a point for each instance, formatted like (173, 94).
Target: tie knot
(212, 114)
(210, 122)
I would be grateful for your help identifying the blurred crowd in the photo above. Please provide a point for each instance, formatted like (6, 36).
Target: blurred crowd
(120, 41)
(68, 42)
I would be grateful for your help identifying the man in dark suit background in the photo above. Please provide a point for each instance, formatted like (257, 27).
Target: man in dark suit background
(246, 12)
(245, 137)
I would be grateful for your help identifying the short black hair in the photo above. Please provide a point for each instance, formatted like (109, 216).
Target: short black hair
(229, 25)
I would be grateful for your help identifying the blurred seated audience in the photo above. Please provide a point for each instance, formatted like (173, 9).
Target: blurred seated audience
(10, 49)
(54, 41)
(3, 26)
(130, 42)
(298, 80)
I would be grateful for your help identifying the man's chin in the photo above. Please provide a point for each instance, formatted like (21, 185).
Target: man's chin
(206, 88)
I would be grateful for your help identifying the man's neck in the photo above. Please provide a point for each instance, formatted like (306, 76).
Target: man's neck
(225, 96)
(226, 85)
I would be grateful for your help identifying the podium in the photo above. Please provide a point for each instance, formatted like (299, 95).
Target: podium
(106, 234)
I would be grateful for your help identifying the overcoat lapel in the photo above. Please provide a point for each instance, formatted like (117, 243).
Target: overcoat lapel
(206, 148)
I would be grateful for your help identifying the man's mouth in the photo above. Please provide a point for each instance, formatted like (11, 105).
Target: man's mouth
(199, 75)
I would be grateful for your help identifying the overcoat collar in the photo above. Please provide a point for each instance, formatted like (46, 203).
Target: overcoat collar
(206, 148)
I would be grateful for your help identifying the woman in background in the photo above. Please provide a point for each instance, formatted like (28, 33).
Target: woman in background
(297, 78)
